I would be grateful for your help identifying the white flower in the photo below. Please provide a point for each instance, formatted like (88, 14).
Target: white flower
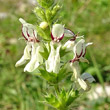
(53, 62)
(36, 58)
(28, 31)
(58, 32)
(84, 79)
(80, 51)
(32, 49)
(76, 74)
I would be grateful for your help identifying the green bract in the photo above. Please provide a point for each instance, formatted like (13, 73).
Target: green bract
(63, 99)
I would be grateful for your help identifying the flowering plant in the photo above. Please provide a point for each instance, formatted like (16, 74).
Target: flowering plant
(48, 43)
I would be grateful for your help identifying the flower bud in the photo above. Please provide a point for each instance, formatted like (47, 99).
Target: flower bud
(48, 14)
(43, 25)
(40, 13)
(46, 3)
(55, 9)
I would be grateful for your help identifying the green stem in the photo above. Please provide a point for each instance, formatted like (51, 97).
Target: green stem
(56, 88)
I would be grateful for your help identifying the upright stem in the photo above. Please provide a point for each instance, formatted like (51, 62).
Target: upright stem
(56, 88)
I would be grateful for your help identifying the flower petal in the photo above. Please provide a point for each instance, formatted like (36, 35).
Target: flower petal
(90, 43)
(87, 77)
(76, 69)
(78, 37)
(50, 62)
(57, 31)
(82, 83)
(69, 45)
(79, 48)
(21, 61)
(68, 33)
(22, 21)
(26, 56)
(56, 67)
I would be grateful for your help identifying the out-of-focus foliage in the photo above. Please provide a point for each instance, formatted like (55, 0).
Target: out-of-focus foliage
(97, 104)
(21, 91)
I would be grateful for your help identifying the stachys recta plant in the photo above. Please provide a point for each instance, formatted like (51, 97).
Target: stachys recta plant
(47, 44)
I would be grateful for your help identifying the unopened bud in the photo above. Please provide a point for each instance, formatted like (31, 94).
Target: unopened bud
(56, 9)
(43, 25)
(40, 13)
(36, 9)
(48, 14)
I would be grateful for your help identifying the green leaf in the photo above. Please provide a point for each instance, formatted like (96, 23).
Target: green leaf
(44, 74)
(52, 101)
(64, 72)
(63, 52)
(72, 96)
(50, 77)
(45, 54)
(45, 34)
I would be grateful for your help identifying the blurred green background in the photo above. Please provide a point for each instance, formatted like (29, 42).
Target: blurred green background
(21, 91)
